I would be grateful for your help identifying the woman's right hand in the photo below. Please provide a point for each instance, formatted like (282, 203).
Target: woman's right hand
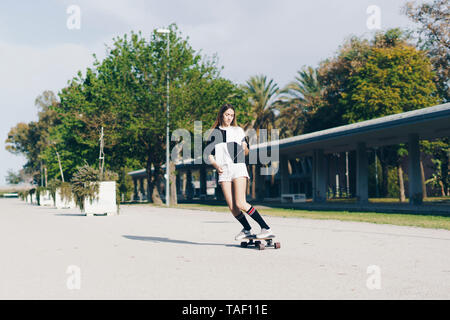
(219, 170)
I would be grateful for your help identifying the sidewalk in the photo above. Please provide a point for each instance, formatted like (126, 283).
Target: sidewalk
(159, 253)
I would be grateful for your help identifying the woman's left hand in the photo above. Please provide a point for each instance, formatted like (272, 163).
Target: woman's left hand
(244, 146)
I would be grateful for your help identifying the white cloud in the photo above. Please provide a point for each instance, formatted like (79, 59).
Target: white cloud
(251, 37)
(134, 14)
(25, 73)
(32, 69)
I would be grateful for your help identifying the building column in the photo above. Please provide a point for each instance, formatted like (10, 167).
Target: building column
(146, 193)
(260, 181)
(319, 176)
(218, 192)
(142, 189)
(189, 186)
(135, 195)
(184, 184)
(362, 183)
(178, 183)
(414, 174)
(284, 174)
(203, 181)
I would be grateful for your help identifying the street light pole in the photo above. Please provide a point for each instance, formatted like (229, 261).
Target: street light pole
(166, 31)
(59, 162)
(347, 180)
(376, 173)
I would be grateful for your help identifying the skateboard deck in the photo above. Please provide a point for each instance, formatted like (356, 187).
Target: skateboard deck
(253, 241)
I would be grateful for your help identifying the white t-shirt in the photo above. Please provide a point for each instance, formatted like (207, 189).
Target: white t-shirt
(227, 143)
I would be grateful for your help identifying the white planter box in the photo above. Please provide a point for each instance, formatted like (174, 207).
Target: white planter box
(105, 202)
(63, 204)
(33, 198)
(45, 198)
(293, 198)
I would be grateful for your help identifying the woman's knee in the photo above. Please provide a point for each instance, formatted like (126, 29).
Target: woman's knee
(235, 210)
(242, 205)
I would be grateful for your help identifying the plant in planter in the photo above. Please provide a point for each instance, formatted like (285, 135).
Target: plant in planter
(32, 194)
(91, 190)
(38, 195)
(52, 186)
(65, 194)
(85, 185)
(24, 195)
(61, 193)
(43, 196)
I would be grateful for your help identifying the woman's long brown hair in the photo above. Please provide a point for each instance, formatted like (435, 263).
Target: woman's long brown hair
(219, 119)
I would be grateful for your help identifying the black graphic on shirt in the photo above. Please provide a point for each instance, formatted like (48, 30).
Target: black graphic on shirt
(236, 152)
(233, 150)
(217, 139)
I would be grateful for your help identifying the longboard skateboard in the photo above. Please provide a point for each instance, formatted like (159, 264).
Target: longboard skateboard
(253, 241)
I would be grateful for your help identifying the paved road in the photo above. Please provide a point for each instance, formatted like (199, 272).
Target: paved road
(158, 253)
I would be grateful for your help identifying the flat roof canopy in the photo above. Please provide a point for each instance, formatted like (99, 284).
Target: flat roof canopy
(429, 123)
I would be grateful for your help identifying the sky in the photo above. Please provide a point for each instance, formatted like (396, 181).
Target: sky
(44, 43)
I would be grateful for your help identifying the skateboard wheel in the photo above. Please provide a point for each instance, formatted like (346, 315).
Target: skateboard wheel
(244, 244)
(277, 245)
(261, 246)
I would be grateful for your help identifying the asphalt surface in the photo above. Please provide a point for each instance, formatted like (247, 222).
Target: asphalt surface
(147, 252)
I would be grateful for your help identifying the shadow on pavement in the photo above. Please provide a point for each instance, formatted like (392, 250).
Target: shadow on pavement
(167, 240)
(218, 221)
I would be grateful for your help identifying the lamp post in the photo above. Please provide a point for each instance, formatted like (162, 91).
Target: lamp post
(59, 162)
(167, 31)
(337, 174)
(376, 173)
(347, 180)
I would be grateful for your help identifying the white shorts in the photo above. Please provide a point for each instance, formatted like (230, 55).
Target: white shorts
(232, 171)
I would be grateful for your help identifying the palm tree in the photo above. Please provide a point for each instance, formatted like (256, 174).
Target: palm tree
(261, 94)
(298, 101)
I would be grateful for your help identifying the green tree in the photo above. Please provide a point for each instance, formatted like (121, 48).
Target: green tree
(33, 139)
(440, 152)
(333, 75)
(125, 93)
(261, 94)
(394, 78)
(433, 36)
(297, 102)
(13, 178)
(371, 79)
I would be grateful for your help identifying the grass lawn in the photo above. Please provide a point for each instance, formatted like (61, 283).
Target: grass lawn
(414, 220)
(429, 200)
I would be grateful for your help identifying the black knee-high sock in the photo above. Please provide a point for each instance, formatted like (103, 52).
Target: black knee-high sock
(243, 220)
(252, 212)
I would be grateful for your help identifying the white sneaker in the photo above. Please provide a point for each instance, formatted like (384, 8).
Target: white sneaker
(265, 233)
(241, 235)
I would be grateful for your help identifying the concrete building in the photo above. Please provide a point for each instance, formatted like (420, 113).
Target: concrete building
(305, 160)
